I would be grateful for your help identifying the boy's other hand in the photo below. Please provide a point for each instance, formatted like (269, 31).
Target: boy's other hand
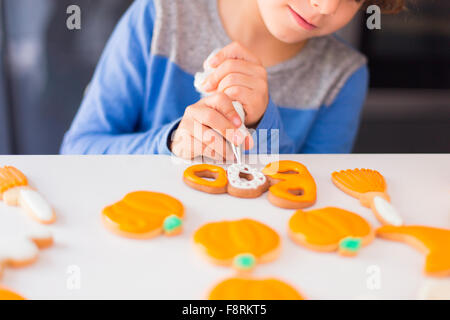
(242, 77)
(206, 127)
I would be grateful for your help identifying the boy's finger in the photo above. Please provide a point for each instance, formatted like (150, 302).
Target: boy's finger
(214, 145)
(210, 117)
(236, 80)
(223, 104)
(233, 51)
(232, 66)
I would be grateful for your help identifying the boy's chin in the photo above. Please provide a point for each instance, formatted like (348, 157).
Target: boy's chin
(291, 37)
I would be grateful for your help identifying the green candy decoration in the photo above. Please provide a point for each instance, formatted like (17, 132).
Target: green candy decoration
(350, 244)
(172, 224)
(244, 262)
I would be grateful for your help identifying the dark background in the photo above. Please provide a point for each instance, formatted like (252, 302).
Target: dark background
(44, 69)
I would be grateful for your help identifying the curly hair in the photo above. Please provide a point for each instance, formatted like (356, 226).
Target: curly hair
(387, 6)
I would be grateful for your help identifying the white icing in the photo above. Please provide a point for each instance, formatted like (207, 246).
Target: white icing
(234, 179)
(387, 211)
(17, 249)
(37, 204)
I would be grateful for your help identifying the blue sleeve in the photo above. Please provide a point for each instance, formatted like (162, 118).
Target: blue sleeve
(107, 119)
(336, 126)
(270, 135)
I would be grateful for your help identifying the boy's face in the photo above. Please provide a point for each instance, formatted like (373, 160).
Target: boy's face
(293, 21)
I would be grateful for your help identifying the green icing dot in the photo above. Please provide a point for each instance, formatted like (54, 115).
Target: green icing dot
(171, 223)
(351, 244)
(244, 261)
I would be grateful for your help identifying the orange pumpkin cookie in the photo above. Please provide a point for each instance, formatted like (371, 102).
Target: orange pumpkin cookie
(433, 242)
(330, 229)
(292, 186)
(14, 190)
(254, 289)
(197, 178)
(143, 215)
(369, 187)
(6, 294)
(239, 243)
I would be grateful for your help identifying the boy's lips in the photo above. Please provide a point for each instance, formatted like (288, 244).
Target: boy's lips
(302, 21)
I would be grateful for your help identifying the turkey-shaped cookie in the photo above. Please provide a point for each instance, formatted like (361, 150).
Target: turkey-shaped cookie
(144, 215)
(240, 243)
(15, 191)
(433, 242)
(330, 229)
(369, 186)
(245, 288)
(19, 251)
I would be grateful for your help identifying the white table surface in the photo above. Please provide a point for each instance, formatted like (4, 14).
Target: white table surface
(112, 267)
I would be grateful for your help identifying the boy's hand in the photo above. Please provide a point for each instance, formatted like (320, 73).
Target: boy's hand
(205, 129)
(242, 77)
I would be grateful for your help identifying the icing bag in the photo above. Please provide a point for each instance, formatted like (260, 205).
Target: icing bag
(200, 78)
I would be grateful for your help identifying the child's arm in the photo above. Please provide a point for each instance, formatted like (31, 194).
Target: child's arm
(106, 122)
(337, 125)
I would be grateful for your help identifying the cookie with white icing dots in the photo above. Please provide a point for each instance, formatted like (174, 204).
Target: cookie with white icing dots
(246, 182)
(15, 191)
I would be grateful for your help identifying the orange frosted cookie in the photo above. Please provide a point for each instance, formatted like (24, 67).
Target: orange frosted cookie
(330, 229)
(433, 242)
(292, 186)
(14, 191)
(254, 289)
(207, 178)
(6, 294)
(144, 215)
(369, 187)
(239, 243)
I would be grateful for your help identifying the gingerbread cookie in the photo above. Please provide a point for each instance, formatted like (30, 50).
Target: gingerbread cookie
(292, 186)
(240, 243)
(246, 182)
(433, 242)
(197, 178)
(15, 191)
(6, 294)
(330, 229)
(369, 187)
(143, 215)
(254, 289)
(23, 250)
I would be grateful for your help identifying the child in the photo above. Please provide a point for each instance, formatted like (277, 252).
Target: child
(298, 84)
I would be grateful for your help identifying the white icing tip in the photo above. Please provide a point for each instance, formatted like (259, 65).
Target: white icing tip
(17, 249)
(38, 206)
(387, 212)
